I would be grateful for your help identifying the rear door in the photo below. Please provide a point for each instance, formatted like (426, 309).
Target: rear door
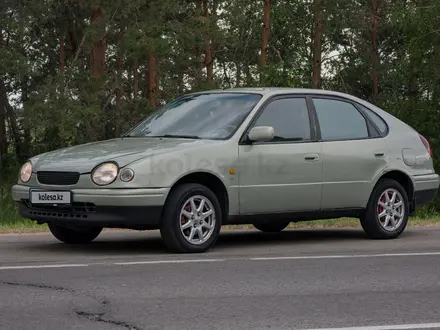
(353, 152)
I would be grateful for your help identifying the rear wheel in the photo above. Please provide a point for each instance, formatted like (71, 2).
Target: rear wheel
(191, 219)
(271, 227)
(387, 212)
(74, 236)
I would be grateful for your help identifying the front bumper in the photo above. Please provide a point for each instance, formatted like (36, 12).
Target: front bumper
(84, 215)
(104, 197)
(111, 208)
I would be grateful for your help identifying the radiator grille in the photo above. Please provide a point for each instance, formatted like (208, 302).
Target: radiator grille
(58, 178)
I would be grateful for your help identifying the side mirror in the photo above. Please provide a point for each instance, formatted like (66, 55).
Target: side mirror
(261, 134)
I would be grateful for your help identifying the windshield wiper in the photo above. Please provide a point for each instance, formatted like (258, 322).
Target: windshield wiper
(179, 136)
(163, 136)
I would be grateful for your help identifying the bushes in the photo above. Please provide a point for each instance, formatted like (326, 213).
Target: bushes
(8, 210)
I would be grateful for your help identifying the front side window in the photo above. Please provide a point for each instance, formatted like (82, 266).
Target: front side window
(289, 118)
(340, 120)
(205, 116)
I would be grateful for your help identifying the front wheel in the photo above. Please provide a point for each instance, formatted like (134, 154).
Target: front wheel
(74, 236)
(191, 219)
(387, 211)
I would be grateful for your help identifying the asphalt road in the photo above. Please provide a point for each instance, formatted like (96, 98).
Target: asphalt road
(299, 279)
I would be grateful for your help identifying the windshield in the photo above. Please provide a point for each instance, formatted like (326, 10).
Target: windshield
(204, 116)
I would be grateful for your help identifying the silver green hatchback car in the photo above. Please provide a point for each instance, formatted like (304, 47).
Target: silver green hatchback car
(261, 156)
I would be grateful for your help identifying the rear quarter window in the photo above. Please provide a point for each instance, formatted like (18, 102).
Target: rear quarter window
(378, 121)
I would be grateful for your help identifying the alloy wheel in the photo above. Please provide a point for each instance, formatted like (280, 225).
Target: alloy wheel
(197, 219)
(390, 209)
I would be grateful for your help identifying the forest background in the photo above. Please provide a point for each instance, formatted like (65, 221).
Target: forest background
(78, 71)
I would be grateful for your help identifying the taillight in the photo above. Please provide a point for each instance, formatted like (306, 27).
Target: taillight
(426, 144)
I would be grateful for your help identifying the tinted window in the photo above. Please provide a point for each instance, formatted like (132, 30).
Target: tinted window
(380, 123)
(289, 118)
(340, 120)
(209, 116)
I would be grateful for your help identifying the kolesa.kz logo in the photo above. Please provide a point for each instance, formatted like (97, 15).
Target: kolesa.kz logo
(49, 197)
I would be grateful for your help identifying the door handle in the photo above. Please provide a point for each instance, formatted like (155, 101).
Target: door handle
(311, 157)
(379, 154)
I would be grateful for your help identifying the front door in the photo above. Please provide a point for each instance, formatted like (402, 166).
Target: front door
(285, 174)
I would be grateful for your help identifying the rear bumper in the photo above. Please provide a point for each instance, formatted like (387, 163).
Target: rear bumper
(425, 190)
(423, 197)
(426, 182)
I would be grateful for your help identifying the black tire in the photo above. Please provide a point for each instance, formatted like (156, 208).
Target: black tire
(369, 219)
(271, 227)
(172, 236)
(74, 236)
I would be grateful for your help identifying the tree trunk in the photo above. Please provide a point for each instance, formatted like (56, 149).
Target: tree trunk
(374, 57)
(412, 90)
(265, 34)
(317, 43)
(225, 74)
(3, 139)
(99, 45)
(26, 146)
(152, 88)
(238, 74)
(62, 53)
(135, 78)
(119, 62)
(312, 36)
(197, 62)
(180, 82)
(62, 61)
(9, 114)
(208, 47)
(247, 71)
(3, 101)
(73, 38)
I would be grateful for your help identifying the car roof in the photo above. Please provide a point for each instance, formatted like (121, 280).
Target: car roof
(272, 91)
(279, 90)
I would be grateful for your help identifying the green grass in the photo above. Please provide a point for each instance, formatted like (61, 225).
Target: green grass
(21, 226)
(10, 221)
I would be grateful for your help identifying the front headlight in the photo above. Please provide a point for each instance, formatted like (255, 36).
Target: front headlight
(105, 174)
(26, 172)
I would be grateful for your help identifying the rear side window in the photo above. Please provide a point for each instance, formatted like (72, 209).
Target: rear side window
(340, 120)
(380, 123)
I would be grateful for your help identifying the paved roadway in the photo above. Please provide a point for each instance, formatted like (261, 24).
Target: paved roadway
(299, 279)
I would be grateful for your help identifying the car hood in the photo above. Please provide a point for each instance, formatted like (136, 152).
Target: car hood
(83, 158)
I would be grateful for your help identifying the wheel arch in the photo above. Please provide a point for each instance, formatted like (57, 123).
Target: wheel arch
(401, 177)
(211, 181)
